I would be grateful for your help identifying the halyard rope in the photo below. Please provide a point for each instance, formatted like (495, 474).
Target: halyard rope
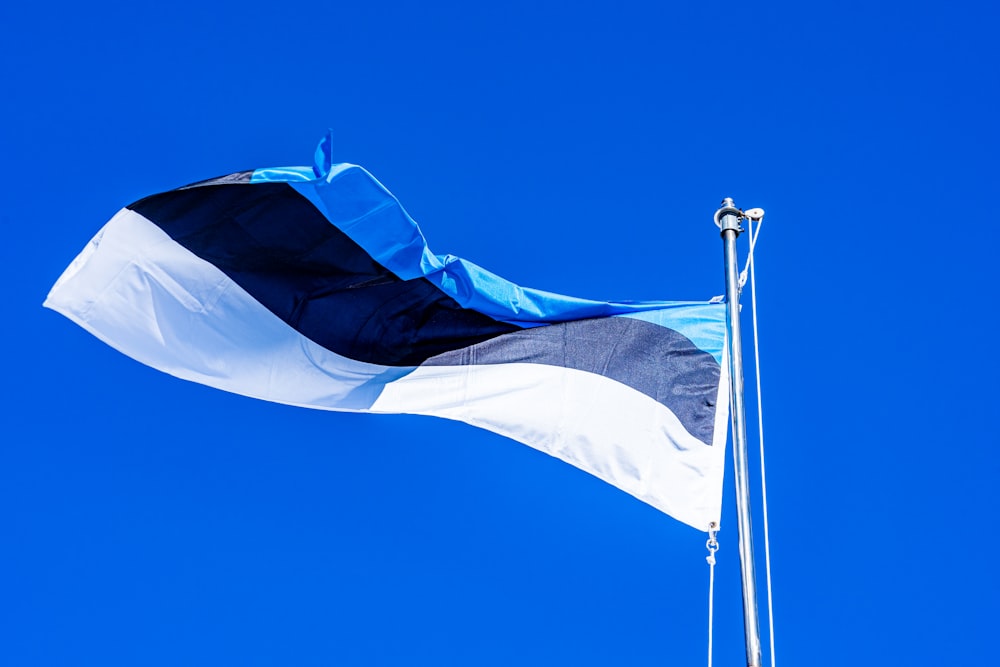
(760, 426)
(712, 545)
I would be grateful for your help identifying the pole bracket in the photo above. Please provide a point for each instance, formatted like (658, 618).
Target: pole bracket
(728, 217)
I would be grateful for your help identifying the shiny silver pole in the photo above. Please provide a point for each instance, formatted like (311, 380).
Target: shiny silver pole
(728, 219)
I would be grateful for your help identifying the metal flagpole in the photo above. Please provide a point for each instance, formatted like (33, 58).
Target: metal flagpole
(728, 220)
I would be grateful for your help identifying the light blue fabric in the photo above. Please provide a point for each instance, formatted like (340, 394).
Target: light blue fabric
(355, 202)
(283, 175)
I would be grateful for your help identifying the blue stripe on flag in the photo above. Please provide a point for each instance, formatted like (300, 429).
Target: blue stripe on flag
(358, 204)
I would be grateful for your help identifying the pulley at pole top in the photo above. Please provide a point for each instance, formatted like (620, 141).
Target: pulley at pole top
(728, 210)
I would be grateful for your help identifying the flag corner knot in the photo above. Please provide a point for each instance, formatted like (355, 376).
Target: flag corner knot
(323, 158)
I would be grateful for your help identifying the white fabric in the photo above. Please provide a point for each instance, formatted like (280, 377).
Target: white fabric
(599, 425)
(152, 299)
(145, 295)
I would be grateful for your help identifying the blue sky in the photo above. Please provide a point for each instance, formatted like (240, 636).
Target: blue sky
(579, 149)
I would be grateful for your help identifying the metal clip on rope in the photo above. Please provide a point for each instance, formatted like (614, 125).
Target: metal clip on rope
(712, 545)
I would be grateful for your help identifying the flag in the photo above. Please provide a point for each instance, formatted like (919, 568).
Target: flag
(312, 286)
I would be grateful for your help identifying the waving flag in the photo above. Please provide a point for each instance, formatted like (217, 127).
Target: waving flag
(313, 287)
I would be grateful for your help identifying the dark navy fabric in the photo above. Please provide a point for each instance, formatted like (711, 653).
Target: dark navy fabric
(274, 244)
(278, 247)
(654, 360)
(238, 177)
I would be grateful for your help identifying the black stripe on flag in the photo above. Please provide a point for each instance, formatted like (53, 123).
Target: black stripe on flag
(657, 361)
(277, 246)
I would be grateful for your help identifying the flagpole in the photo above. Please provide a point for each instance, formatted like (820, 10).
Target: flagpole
(728, 219)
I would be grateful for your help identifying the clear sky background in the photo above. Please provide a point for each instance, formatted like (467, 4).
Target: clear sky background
(578, 148)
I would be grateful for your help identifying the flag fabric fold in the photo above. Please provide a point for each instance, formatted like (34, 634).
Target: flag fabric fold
(311, 286)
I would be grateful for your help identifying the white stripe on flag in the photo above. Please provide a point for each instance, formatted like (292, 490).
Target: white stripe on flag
(599, 425)
(140, 292)
(137, 290)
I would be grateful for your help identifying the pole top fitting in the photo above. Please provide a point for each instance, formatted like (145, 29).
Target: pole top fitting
(728, 216)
